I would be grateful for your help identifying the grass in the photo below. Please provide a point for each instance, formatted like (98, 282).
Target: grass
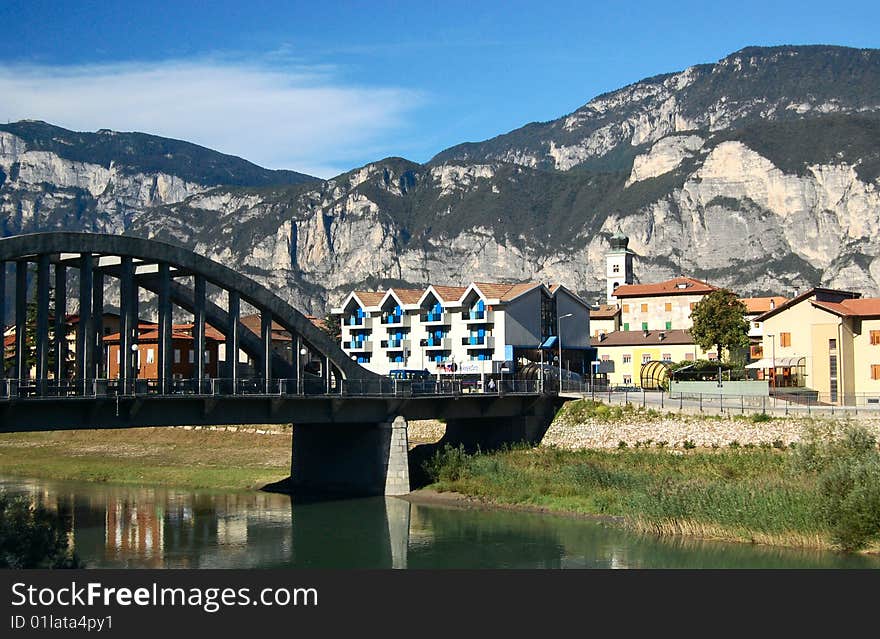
(752, 495)
(157, 456)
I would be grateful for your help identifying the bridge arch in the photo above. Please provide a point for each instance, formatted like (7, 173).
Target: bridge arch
(138, 263)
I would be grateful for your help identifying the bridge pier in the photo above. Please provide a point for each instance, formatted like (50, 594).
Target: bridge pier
(351, 459)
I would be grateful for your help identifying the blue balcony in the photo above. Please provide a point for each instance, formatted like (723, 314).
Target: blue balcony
(434, 318)
(392, 319)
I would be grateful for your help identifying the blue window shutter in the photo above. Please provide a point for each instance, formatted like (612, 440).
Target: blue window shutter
(481, 305)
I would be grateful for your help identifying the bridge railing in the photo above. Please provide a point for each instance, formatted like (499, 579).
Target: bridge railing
(37, 389)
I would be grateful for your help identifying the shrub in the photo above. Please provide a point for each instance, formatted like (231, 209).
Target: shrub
(850, 490)
(622, 444)
(757, 418)
(662, 443)
(779, 444)
(448, 464)
(733, 444)
(688, 444)
(32, 537)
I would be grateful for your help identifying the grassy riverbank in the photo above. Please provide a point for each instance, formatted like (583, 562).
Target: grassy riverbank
(754, 495)
(215, 459)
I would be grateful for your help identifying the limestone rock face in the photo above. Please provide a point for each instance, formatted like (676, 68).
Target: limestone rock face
(756, 173)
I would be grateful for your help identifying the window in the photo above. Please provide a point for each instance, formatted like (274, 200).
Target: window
(646, 358)
(627, 380)
(875, 371)
(207, 357)
(757, 324)
(668, 326)
(785, 339)
(117, 356)
(713, 356)
(689, 357)
(644, 308)
(693, 305)
(832, 344)
(605, 358)
(626, 308)
(667, 307)
(626, 326)
(615, 268)
(667, 357)
(177, 356)
(627, 358)
(875, 338)
(150, 356)
(192, 355)
(644, 326)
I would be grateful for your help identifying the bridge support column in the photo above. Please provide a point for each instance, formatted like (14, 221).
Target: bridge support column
(85, 327)
(232, 341)
(353, 459)
(42, 336)
(164, 345)
(3, 317)
(199, 330)
(21, 368)
(97, 357)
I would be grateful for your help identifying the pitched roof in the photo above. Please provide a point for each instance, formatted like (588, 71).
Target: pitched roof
(370, 298)
(813, 292)
(641, 338)
(178, 331)
(863, 307)
(605, 311)
(449, 293)
(505, 292)
(675, 286)
(762, 304)
(406, 295)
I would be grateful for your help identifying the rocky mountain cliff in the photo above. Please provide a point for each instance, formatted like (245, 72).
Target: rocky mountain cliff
(759, 173)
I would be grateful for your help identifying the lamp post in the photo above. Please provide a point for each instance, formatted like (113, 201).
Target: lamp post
(594, 366)
(300, 381)
(559, 336)
(133, 368)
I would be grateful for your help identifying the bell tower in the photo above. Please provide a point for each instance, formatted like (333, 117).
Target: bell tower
(618, 265)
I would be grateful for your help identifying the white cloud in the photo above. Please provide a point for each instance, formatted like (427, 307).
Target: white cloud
(303, 118)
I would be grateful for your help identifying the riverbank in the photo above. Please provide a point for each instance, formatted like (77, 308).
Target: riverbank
(234, 459)
(759, 495)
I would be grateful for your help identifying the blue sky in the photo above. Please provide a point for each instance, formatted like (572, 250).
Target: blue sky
(323, 87)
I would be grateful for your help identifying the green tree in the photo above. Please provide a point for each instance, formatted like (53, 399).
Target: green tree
(719, 322)
(32, 536)
(332, 326)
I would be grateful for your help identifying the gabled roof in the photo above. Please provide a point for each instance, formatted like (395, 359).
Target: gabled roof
(364, 299)
(676, 336)
(449, 295)
(605, 311)
(555, 289)
(503, 292)
(863, 307)
(757, 305)
(178, 331)
(403, 296)
(675, 286)
(813, 292)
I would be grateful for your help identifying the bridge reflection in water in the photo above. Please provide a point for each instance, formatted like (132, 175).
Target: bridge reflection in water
(119, 526)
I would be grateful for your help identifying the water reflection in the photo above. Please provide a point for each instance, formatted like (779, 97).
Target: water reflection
(120, 526)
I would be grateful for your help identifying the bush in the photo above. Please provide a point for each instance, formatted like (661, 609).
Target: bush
(848, 467)
(758, 418)
(622, 444)
(32, 537)
(448, 464)
(688, 444)
(733, 444)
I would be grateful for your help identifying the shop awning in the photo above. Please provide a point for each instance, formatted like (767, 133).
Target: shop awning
(550, 343)
(781, 362)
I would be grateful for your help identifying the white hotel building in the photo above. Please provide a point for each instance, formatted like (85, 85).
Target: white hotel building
(479, 329)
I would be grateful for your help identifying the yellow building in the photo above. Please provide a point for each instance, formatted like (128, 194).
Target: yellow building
(824, 342)
(622, 354)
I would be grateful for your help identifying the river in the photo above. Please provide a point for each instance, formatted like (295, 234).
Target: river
(115, 526)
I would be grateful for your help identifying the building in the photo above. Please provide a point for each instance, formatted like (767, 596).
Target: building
(624, 354)
(182, 351)
(605, 318)
(618, 265)
(485, 328)
(663, 306)
(824, 343)
(756, 306)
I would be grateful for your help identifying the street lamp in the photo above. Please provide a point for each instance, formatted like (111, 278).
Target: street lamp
(559, 336)
(595, 368)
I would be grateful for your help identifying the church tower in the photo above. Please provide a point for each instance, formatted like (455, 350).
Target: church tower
(618, 264)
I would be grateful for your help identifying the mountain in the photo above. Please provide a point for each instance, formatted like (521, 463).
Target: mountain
(759, 172)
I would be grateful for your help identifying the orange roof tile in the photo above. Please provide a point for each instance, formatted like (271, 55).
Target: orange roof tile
(450, 293)
(762, 304)
(605, 311)
(690, 286)
(408, 295)
(863, 307)
(505, 292)
(370, 298)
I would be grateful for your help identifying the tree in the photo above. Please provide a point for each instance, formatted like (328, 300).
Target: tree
(332, 327)
(32, 536)
(719, 322)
